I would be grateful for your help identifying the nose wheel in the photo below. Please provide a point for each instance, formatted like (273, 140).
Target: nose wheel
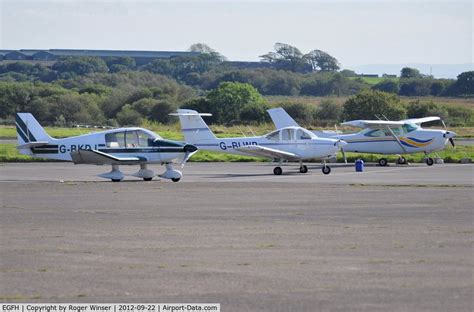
(401, 160)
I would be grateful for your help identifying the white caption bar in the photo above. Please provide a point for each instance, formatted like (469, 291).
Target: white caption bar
(109, 307)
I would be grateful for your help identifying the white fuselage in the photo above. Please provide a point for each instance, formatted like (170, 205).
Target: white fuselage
(316, 148)
(382, 142)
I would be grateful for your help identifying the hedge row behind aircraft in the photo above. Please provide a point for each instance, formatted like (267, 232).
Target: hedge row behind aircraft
(384, 136)
(292, 143)
(122, 146)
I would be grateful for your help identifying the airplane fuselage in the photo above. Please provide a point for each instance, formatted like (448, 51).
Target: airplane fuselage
(308, 149)
(417, 141)
(61, 149)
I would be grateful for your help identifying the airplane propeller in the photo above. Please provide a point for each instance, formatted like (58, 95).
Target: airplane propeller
(344, 155)
(341, 143)
(450, 136)
(189, 151)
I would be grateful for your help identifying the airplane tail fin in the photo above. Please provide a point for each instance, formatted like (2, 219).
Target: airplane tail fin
(281, 119)
(195, 129)
(29, 131)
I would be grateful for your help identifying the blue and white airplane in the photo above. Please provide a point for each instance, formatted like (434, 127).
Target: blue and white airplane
(289, 143)
(122, 146)
(384, 136)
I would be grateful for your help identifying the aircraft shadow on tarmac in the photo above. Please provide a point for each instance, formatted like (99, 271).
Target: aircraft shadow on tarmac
(244, 175)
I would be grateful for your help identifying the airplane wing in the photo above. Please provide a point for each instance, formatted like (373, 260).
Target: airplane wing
(281, 119)
(419, 121)
(268, 152)
(100, 158)
(374, 124)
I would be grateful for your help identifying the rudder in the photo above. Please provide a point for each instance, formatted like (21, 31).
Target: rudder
(29, 130)
(281, 119)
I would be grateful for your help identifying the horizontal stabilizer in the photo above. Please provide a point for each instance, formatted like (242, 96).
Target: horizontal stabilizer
(189, 113)
(99, 158)
(32, 144)
(257, 150)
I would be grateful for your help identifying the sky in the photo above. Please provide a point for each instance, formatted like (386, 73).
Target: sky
(355, 32)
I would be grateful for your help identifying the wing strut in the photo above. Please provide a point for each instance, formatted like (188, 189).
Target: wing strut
(396, 138)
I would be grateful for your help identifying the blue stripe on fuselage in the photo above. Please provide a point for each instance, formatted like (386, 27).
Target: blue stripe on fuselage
(419, 140)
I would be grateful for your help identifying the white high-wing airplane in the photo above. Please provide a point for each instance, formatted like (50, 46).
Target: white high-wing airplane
(384, 136)
(288, 143)
(122, 146)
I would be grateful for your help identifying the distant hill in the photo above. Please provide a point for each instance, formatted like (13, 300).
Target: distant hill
(437, 70)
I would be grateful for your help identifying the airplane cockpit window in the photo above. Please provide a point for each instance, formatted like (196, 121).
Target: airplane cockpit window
(395, 131)
(383, 132)
(115, 139)
(129, 139)
(409, 127)
(287, 134)
(139, 138)
(273, 136)
(375, 133)
(145, 139)
(302, 135)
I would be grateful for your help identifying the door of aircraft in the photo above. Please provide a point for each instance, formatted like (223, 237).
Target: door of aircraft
(303, 138)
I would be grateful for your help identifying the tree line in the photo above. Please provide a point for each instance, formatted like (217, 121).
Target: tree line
(130, 98)
(115, 91)
(290, 72)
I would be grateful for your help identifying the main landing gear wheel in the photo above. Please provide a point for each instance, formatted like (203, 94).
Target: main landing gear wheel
(175, 179)
(429, 161)
(401, 160)
(147, 179)
(277, 171)
(326, 169)
(383, 162)
(303, 169)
